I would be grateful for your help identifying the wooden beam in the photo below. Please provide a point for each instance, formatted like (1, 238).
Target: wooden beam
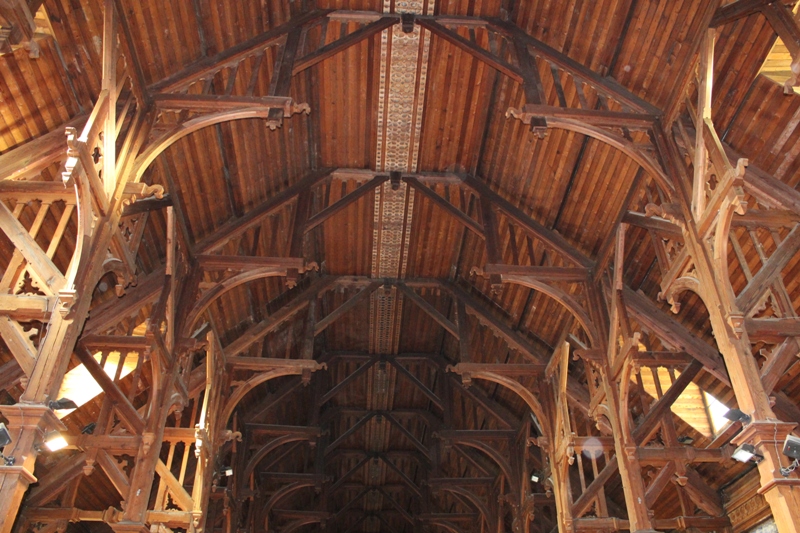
(343, 309)
(434, 399)
(255, 216)
(505, 418)
(602, 84)
(772, 329)
(540, 273)
(471, 48)
(119, 400)
(111, 312)
(430, 310)
(548, 236)
(50, 485)
(663, 405)
(18, 344)
(351, 377)
(736, 10)
(659, 225)
(240, 263)
(209, 66)
(756, 287)
(344, 43)
(342, 203)
(675, 334)
(41, 267)
(459, 215)
(258, 331)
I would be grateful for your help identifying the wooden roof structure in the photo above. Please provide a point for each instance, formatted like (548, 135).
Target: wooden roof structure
(470, 266)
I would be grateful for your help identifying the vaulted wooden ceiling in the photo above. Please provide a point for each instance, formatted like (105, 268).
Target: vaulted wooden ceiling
(394, 278)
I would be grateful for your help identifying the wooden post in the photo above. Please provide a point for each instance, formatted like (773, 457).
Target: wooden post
(764, 431)
(27, 424)
(110, 84)
(706, 72)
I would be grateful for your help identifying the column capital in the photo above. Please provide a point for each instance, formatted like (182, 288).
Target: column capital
(764, 432)
(30, 416)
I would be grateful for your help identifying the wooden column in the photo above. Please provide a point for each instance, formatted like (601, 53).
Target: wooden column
(615, 394)
(765, 431)
(27, 424)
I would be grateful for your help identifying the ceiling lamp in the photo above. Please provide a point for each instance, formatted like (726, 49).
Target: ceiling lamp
(62, 404)
(745, 453)
(5, 440)
(736, 415)
(791, 449)
(55, 441)
(5, 436)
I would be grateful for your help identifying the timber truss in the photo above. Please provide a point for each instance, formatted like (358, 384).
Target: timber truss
(173, 477)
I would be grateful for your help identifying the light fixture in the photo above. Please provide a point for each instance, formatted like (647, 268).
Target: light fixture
(227, 471)
(55, 441)
(736, 415)
(5, 440)
(5, 436)
(62, 404)
(791, 449)
(685, 440)
(535, 476)
(745, 453)
(536, 423)
(89, 428)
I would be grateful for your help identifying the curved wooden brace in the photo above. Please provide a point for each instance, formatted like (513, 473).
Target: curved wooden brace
(680, 285)
(172, 136)
(83, 202)
(258, 379)
(562, 297)
(492, 453)
(297, 524)
(223, 287)
(474, 500)
(268, 447)
(620, 143)
(280, 494)
(523, 392)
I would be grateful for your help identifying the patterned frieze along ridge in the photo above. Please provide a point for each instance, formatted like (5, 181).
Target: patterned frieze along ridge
(403, 76)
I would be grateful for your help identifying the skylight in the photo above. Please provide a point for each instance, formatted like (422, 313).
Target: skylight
(694, 406)
(80, 387)
(716, 413)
